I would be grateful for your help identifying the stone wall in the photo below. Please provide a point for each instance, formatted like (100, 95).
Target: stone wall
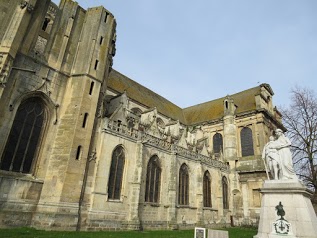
(66, 66)
(18, 199)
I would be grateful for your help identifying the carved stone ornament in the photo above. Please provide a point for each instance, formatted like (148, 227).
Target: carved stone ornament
(5, 66)
(174, 130)
(93, 156)
(281, 226)
(29, 7)
(191, 139)
(23, 4)
(148, 118)
(131, 120)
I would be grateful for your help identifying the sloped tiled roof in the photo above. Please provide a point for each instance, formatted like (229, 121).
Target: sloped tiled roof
(120, 83)
(245, 101)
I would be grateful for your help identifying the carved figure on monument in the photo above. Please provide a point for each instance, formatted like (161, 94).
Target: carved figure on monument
(280, 210)
(283, 148)
(281, 226)
(272, 158)
(278, 157)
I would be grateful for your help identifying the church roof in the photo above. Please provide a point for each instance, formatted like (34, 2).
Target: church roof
(208, 111)
(120, 83)
(245, 101)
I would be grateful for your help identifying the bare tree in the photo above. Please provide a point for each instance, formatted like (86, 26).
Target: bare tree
(300, 120)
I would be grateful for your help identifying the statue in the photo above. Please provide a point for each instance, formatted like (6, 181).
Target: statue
(272, 158)
(278, 157)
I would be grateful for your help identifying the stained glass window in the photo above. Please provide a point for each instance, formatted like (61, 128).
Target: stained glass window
(217, 143)
(183, 186)
(153, 180)
(24, 138)
(246, 142)
(207, 189)
(116, 173)
(225, 200)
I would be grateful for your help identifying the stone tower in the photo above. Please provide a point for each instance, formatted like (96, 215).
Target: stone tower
(230, 138)
(64, 64)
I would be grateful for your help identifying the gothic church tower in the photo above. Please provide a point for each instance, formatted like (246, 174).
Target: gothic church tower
(54, 64)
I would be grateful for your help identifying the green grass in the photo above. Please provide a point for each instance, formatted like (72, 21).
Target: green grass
(33, 233)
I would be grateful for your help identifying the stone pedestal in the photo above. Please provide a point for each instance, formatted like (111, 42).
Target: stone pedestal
(299, 220)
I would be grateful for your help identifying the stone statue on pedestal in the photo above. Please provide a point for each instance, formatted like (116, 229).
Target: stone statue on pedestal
(278, 157)
(292, 197)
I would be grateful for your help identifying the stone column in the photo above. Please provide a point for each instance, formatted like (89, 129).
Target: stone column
(245, 203)
(199, 196)
(229, 131)
(172, 199)
(134, 219)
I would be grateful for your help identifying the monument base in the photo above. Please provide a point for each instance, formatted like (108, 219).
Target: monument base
(286, 211)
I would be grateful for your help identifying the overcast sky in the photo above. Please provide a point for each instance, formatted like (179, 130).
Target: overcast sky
(191, 52)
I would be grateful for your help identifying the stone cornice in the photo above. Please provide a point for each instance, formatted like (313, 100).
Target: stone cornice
(117, 129)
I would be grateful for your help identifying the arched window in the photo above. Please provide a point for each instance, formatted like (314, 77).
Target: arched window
(160, 123)
(207, 189)
(116, 173)
(24, 138)
(183, 186)
(217, 143)
(225, 200)
(246, 142)
(136, 111)
(153, 180)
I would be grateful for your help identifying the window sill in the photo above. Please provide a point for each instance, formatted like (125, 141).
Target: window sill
(186, 206)
(210, 209)
(115, 200)
(19, 176)
(152, 204)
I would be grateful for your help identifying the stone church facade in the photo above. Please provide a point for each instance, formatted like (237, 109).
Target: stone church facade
(83, 146)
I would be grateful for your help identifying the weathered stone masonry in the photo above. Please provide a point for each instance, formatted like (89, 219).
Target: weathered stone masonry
(85, 147)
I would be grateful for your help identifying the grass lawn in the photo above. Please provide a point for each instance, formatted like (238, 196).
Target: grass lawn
(33, 233)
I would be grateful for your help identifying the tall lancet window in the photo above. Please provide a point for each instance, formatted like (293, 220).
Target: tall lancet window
(153, 180)
(225, 199)
(25, 136)
(246, 142)
(207, 189)
(183, 186)
(116, 173)
(217, 144)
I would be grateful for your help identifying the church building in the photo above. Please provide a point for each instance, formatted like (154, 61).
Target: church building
(85, 147)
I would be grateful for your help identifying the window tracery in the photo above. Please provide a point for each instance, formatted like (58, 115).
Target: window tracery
(116, 173)
(207, 189)
(153, 180)
(225, 200)
(25, 136)
(246, 142)
(183, 186)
